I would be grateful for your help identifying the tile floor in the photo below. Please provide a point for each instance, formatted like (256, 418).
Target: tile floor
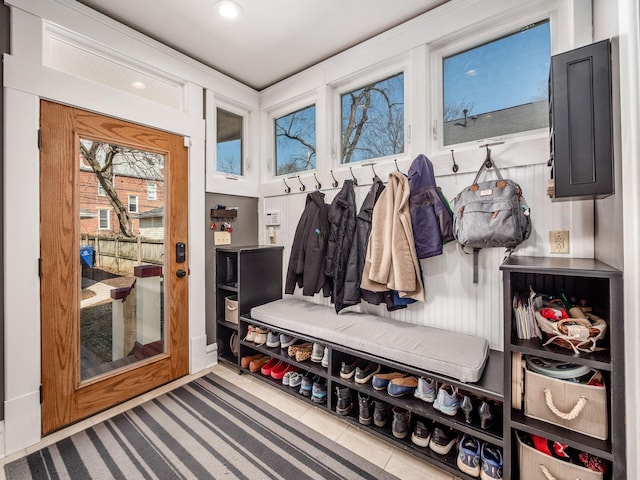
(394, 460)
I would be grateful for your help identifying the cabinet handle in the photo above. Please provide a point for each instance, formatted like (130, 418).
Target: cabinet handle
(573, 414)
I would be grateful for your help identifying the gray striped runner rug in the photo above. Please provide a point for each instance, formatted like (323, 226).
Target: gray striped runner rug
(207, 428)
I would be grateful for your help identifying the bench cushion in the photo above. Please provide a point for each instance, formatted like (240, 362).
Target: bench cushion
(456, 355)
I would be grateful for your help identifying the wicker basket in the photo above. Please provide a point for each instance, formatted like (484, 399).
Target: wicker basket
(577, 334)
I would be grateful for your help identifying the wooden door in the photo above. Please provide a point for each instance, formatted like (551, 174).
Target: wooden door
(114, 284)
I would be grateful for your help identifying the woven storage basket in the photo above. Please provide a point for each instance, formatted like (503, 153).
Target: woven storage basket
(535, 465)
(577, 334)
(581, 408)
(231, 309)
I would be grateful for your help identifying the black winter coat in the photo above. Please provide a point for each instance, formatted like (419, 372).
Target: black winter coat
(307, 261)
(342, 249)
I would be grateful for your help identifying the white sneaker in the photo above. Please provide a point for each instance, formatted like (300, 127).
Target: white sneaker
(251, 334)
(325, 358)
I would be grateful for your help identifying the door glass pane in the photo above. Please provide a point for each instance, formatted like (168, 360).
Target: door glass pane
(121, 256)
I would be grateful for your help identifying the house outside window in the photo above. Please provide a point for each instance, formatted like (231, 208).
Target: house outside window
(133, 204)
(497, 88)
(104, 219)
(101, 192)
(152, 191)
(295, 141)
(229, 142)
(372, 120)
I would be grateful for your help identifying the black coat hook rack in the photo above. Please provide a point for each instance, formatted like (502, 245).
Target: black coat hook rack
(287, 188)
(355, 180)
(455, 165)
(318, 184)
(487, 161)
(396, 162)
(303, 187)
(335, 182)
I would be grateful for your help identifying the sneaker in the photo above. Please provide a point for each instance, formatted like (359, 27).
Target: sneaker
(365, 409)
(402, 386)
(325, 358)
(295, 380)
(400, 422)
(380, 413)
(270, 365)
(468, 460)
(344, 403)
(380, 381)
(448, 400)
(317, 352)
(287, 340)
(421, 434)
(273, 339)
(251, 334)
(366, 371)
(306, 385)
(245, 361)
(348, 369)
(491, 462)
(286, 377)
(260, 336)
(279, 370)
(319, 391)
(442, 440)
(426, 390)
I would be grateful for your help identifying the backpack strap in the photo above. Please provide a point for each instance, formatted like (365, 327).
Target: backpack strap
(483, 166)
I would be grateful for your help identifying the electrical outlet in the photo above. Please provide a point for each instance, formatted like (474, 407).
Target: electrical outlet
(559, 241)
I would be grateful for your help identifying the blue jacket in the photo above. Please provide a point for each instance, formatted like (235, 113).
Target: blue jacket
(431, 216)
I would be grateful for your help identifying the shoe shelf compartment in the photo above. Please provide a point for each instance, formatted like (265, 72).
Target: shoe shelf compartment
(600, 286)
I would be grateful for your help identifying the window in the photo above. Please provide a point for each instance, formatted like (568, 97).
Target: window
(104, 219)
(497, 88)
(295, 140)
(229, 130)
(133, 204)
(152, 191)
(372, 120)
(101, 192)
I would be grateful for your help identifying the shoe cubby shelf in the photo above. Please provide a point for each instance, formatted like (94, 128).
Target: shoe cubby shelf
(489, 388)
(600, 286)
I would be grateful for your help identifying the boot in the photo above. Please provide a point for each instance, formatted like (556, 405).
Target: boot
(344, 404)
(380, 413)
(365, 405)
(400, 423)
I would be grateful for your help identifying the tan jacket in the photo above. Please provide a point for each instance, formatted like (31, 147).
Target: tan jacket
(391, 262)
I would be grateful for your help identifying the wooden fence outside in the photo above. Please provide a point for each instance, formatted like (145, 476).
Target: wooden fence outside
(122, 254)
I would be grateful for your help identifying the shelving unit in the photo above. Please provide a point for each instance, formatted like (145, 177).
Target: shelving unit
(254, 275)
(601, 286)
(490, 387)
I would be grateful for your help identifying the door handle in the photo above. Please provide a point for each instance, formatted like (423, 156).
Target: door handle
(181, 273)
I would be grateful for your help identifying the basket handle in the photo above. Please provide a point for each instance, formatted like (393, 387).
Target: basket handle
(575, 411)
(545, 471)
(232, 307)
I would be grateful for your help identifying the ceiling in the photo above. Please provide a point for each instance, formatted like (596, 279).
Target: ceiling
(272, 40)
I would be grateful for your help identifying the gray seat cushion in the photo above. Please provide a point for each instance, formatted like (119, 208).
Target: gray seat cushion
(456, 355)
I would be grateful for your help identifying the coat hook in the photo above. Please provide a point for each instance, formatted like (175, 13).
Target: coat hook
(455, 165)
(396, 162)
(302, 185)
(375, 175)
(355, 180)
(487, 160)
(335, 182)
(287, 188)
(318, 184)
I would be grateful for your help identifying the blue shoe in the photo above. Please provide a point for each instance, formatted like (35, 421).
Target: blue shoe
(306, 386)
(491, 462)
(381, 381)
(319, 391)
(448, 400)
(468, 460)
(402, 386)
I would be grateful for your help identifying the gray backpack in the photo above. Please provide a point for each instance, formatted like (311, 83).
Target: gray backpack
(491, 214)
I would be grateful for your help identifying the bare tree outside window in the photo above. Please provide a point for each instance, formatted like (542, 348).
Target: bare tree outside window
(295, 136)
(229, 133)
(372, 123)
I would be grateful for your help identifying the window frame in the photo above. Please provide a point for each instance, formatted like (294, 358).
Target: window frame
(244, 167)
(108, 218)
(137, 202)
(152, 187)
(101, 190)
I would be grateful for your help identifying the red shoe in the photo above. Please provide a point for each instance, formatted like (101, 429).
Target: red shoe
(278, 371)
(266, 368)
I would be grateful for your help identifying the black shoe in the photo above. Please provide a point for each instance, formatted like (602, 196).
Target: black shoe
(344, 404)
(467, 407)
(348, 369)
(421, 434)
(400, 422)
(487, 415)
(442, 439)
(366, 371)
(365, 409)
(380, 413)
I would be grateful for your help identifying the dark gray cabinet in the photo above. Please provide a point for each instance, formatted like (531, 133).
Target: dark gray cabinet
(252, 274)
(601, 286)
(581, 122)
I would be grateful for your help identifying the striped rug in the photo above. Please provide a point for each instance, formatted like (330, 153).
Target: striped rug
(206, 429)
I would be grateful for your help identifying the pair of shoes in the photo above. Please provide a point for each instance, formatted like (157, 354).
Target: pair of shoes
(286, 378)
(380, 381)
(365, 409)
(476, 458)
(245, 361)
(426, 390)
(317, 352)
(348, 369)
(380, 413)
(398, 387)
(287, 340)
(306, 384)
(344, 403)
(302, 351)
(366, 371)
(325, 358)
(448, 400)
(274, 363)
(421, 434)
(257, 335)
(319, 391)
(442, 439)
(400, 422)
(295, 379)
(486, 412)
(273, 339)
(257, 364)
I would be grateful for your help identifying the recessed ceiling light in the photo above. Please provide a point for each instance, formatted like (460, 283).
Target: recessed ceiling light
(229, 9)
(139, 85)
